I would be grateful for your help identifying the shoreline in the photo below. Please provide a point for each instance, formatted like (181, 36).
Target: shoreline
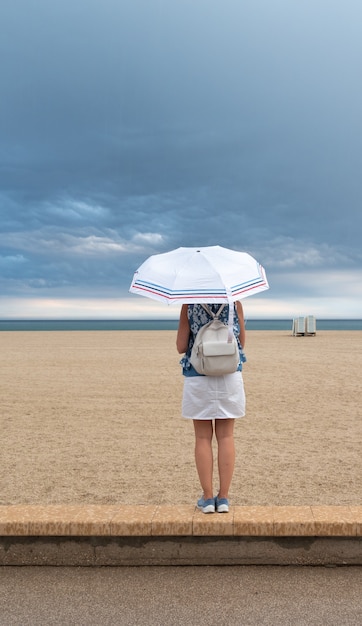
(284, 324)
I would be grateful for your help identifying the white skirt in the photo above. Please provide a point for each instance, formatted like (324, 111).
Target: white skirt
(213, 397)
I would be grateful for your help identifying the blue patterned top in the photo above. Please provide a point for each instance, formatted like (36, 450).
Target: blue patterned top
(198, 317)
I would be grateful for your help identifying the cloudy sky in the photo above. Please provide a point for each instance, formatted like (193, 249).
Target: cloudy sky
(132, 127)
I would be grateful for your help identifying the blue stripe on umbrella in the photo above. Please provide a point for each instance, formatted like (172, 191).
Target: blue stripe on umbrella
(154, 288)
(192, 293)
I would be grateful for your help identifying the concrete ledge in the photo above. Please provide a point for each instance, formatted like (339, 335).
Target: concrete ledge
(157, 535)
(182, 520)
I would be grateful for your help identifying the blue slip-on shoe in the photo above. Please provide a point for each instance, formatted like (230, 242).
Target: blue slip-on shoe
(222, 505)
(206, 506)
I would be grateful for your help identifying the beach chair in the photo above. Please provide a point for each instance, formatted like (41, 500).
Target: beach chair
(298, 326)
(310, 325)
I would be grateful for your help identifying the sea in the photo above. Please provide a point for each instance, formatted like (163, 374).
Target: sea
(252, 324)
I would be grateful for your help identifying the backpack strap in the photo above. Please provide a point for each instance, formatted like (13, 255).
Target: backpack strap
(216, 315)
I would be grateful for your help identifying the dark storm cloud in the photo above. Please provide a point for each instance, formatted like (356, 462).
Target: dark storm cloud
(129, 128)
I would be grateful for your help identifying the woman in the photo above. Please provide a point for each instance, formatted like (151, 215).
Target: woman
(213, 403)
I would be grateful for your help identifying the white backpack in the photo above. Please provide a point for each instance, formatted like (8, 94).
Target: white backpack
(212, 354)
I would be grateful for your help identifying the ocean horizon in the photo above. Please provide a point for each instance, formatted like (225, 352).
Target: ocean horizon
(144, 324)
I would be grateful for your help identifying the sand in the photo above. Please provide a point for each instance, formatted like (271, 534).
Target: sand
(94, 417)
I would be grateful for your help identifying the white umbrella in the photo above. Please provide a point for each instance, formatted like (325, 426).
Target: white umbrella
(208, 274)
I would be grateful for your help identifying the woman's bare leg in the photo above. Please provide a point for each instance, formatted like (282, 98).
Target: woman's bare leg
(224, 430)
(204, 455)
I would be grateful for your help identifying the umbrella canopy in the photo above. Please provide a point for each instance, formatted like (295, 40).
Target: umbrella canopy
(208, 274)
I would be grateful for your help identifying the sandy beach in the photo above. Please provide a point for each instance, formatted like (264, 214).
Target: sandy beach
(94, 417)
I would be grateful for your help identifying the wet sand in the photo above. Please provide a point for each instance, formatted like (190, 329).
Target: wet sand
(94, 417)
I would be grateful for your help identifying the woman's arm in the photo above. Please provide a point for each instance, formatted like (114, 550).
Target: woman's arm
(240, 312)
(183, 332)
